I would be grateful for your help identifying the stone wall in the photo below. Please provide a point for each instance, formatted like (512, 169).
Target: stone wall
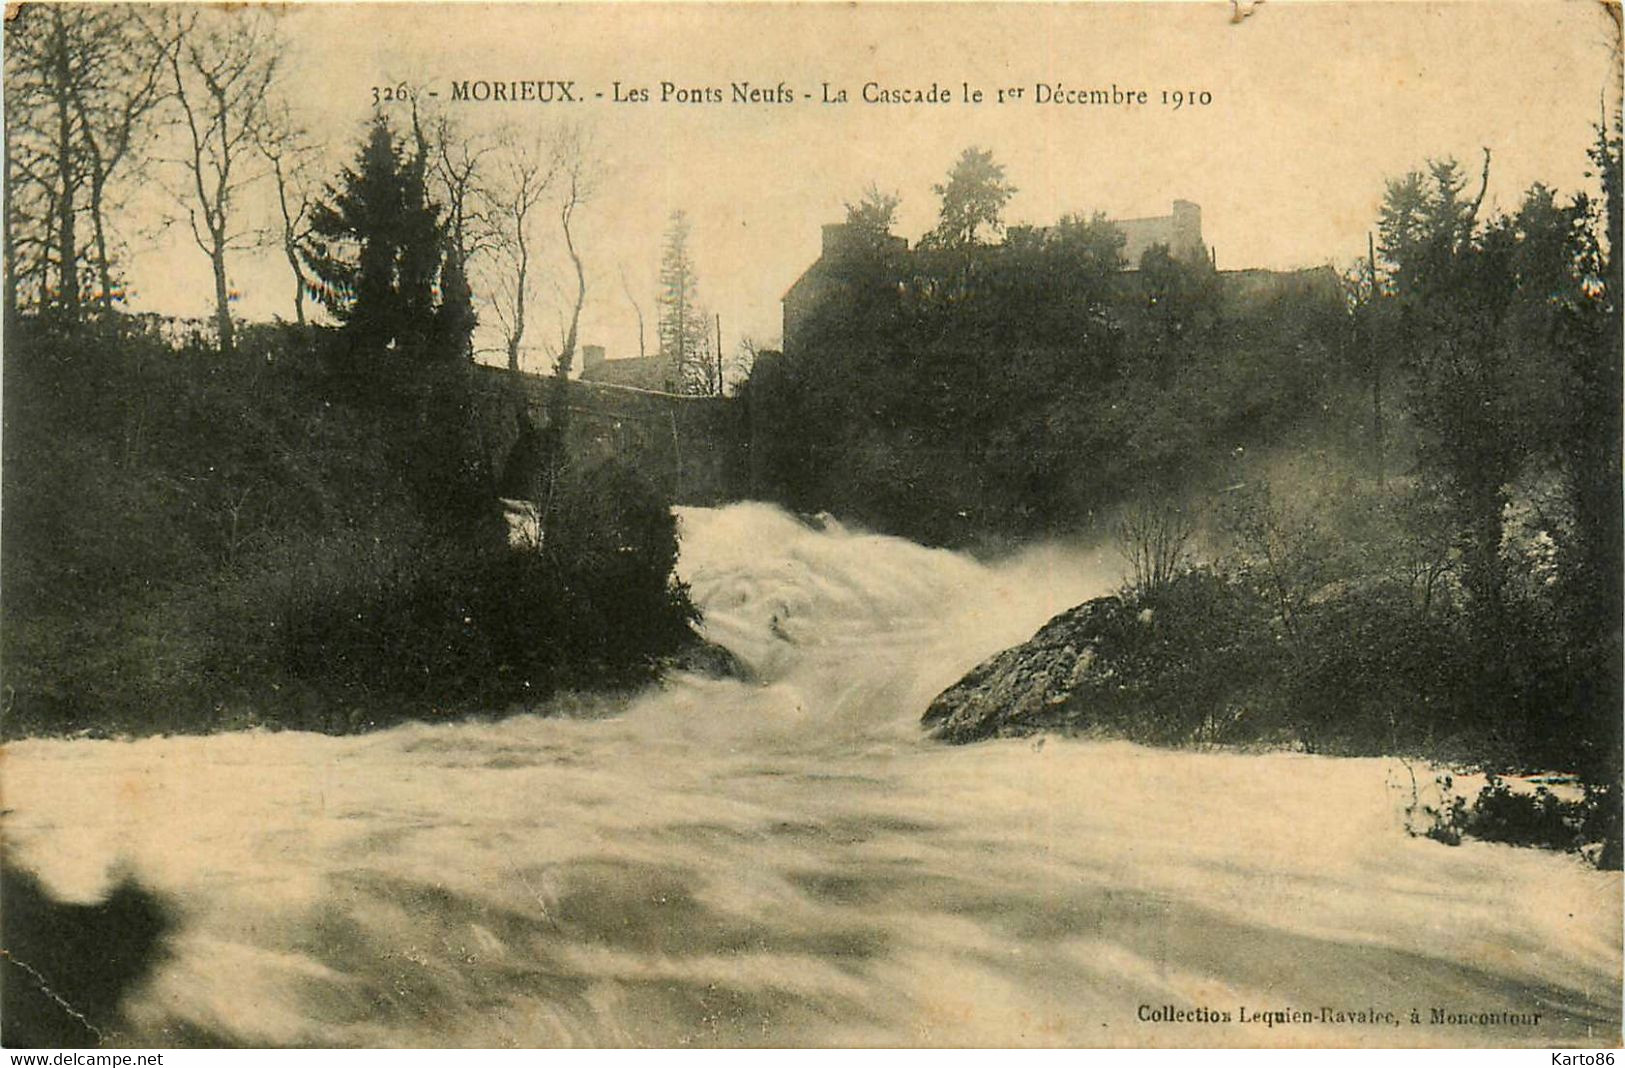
(1181, 232)
(692, 447)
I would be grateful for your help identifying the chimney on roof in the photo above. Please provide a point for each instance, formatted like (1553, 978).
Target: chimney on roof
(838, 240)
(843, 239)
(1187, 236)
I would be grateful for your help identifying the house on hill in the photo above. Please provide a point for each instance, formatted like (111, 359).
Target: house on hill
(1180, 232)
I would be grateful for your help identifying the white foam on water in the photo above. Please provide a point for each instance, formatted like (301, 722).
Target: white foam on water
(787, 861)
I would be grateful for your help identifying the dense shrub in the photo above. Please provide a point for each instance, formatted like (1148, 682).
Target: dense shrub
(1318, 628)
(1335, 621)
(194, 541)
(962, 397)
(1207, 658)
(1187, 659)
(1539, 818)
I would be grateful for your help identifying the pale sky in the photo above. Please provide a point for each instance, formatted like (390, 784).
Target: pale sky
(1313, 106)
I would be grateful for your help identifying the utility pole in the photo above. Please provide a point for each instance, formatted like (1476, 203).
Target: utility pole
(719, 354)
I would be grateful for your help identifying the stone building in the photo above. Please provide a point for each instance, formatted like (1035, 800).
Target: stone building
(1180, 231)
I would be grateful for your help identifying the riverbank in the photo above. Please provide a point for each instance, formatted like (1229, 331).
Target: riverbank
(1204, 660)
(789, 861)
(284, 538)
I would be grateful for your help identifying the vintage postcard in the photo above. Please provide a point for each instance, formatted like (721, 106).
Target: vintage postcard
(808, 525)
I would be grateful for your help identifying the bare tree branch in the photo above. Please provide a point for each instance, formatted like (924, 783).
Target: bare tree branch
(222, 64)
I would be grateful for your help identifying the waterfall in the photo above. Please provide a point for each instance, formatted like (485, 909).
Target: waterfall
(787, 861)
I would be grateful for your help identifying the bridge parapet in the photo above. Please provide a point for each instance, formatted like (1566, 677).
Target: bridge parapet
(693, 447)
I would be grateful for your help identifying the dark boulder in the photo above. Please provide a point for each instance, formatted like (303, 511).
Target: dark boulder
(702, 657)
(1196, 660)
(1032, 686)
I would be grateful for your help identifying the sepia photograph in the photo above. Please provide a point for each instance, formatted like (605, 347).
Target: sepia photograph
(812, 525)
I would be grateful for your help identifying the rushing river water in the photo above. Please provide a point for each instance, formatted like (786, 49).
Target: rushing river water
(788, 862)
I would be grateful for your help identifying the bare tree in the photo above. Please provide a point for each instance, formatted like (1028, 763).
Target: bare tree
(745, 357)
(572, 153)
(221, 66)
(626, 287)
(522, 171)
(1153, 538)
(30, 189)
(123, 87)
(460, 163)
(44, 151)
(526, 180)
(288, 149)
(83, 84)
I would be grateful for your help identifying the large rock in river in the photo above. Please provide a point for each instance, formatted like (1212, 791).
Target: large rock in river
(1033, 686)
(703, 657)
(1199, 658)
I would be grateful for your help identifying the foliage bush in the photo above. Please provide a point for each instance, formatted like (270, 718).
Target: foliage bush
(1538, 818)
(194, 541)
(1335, 622)
(959, 396)
(1187, 660)
(1317, 628)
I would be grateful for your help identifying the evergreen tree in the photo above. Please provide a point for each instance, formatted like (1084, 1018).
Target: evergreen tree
(455, 319)
(1591, 437)
(422, 243)
(376, 249)
(1590, 450)
(684, 337)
